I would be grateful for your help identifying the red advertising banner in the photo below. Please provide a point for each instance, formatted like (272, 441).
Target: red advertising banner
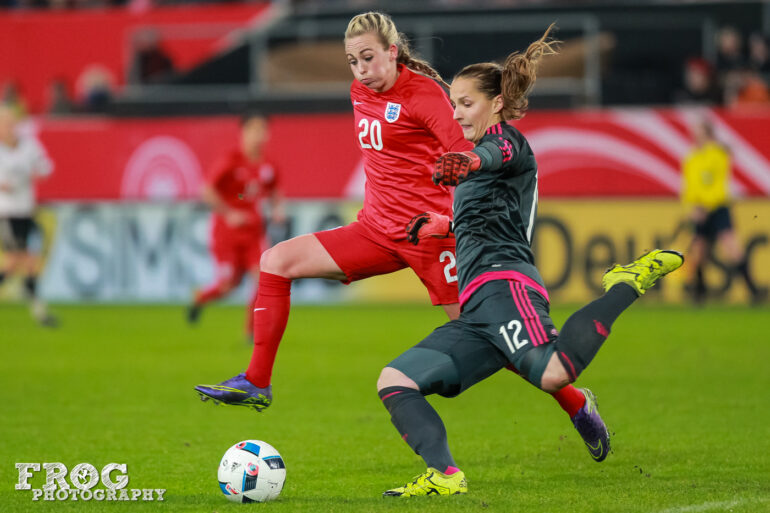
(42, 46)
(613, 152)
(108, 159)
(637, 152)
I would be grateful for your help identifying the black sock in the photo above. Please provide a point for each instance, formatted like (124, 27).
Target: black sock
(743, 269)
(699, 293)
(30, 284)
(586, 330)
(419, 425)
(2, 277)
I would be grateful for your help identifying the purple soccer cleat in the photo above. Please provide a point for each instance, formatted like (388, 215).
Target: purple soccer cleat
(591, 427)
(237, 391)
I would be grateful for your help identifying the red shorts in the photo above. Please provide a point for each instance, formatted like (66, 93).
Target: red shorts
(362, 252)
(236, 254)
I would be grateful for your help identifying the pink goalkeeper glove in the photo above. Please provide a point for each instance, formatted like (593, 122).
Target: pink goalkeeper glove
(428, 224)
(453, 168)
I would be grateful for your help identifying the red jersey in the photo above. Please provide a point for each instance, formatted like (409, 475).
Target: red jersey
(242, 185)
(401, 133)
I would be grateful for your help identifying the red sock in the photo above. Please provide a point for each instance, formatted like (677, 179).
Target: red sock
(250, 306)
(570, 399)
(208, 294)
(271, 312)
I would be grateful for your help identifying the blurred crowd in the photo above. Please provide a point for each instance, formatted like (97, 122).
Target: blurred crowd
(95, 4)
(734, 72)
(91, 93)
(738, 76)
(59, 4)
(96, 85)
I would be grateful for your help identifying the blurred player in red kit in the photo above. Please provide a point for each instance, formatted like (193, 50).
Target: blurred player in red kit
(403, 123)
(235, 189)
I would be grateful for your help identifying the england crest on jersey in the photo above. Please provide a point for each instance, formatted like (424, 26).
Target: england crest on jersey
(392, 111)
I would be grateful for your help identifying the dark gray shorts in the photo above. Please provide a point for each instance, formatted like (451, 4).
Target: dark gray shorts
(19, 234)
(503, 323)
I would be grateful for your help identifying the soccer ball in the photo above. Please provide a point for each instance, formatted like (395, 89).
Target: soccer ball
(251, 471)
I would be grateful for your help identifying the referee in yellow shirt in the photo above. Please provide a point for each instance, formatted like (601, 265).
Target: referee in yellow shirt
(706, 195)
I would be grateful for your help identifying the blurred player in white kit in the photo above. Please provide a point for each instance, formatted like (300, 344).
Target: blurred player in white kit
(22, 161)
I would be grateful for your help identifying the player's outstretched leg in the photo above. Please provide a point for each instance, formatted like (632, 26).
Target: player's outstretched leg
(237, 391)
(591, 427)
(432, 482)
(586, 330)
(642, 273)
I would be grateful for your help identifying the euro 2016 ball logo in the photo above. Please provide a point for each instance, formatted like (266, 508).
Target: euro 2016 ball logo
(251, 471)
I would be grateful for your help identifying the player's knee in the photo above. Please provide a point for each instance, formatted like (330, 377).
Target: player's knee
(555, 377)
(279, 260)
(266, 260)
(390, 377)
(272, 262)
(552, 384)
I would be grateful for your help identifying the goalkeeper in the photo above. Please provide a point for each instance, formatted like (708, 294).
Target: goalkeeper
(504, 320)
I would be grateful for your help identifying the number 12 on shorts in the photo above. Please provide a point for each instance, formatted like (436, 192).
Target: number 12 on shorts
(513, 341)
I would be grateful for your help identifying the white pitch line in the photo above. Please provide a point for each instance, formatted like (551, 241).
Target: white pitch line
(711, 506)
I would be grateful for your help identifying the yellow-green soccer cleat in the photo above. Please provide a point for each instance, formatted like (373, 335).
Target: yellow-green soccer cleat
(432, 482)
(643, 272)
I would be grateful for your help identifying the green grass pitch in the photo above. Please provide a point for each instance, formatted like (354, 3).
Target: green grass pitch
(685, 392)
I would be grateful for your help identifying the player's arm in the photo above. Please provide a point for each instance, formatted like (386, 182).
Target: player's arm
(6, 185)
(218, 205)
(41, 165)
(429, 225)
(686, 193)
(212, 195)
(214, 200)
(277, 207)
(435, 112)
(491, 154)
(689, 194)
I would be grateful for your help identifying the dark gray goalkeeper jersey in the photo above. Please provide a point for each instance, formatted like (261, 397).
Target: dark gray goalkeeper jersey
(495, 208)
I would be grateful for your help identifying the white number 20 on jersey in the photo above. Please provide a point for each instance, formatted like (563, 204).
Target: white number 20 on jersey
(371, 130)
